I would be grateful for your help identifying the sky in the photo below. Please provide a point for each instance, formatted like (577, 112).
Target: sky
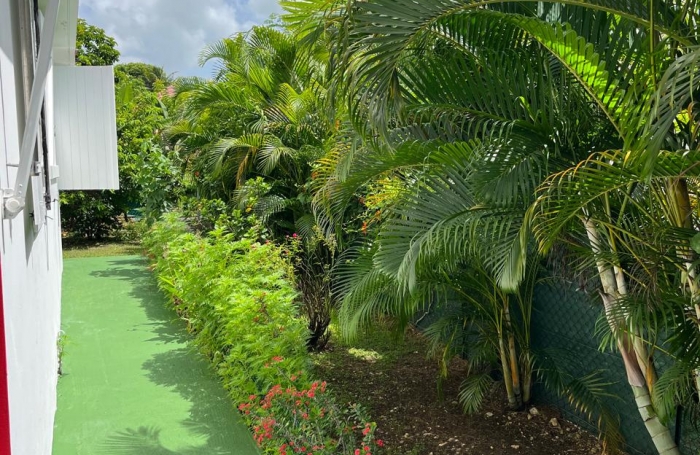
(172, 33)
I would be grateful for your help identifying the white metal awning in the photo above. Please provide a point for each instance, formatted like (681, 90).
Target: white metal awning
(86, 128)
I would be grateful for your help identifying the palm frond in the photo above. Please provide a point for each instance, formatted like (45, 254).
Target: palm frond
(444, 217)
(272, 153)
(674, 118)
(367, 292)
(473, 390)
(565, 195)
(589, 394)
(305, 226)
(675, 387)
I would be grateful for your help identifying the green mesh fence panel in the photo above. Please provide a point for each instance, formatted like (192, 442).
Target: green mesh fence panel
(690, 437)
(564, 322)
(563, 329)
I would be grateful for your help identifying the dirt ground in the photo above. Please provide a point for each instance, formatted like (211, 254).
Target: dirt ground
(397, 383)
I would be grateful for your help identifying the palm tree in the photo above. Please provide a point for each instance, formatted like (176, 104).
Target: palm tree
(639, 252)
(266, 116)
(468, 206)
(408, 71)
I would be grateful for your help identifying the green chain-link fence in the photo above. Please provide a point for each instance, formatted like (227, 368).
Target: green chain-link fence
(564, 322)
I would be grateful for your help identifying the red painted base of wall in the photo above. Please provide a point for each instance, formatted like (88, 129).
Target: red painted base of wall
(5, 448)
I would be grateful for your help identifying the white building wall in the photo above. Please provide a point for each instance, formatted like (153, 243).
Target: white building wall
(31, 276)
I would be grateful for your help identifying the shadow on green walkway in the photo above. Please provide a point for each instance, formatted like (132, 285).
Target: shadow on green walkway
(133, 384)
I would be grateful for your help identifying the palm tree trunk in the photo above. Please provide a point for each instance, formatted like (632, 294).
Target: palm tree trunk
(646, 365)
(525, 298)
(507, 376)
(515, 370)
(512, 355)
(660, 434)
(527, 378)
(637, 365)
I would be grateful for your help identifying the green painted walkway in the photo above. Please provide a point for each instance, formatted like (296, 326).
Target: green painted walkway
(132, 384)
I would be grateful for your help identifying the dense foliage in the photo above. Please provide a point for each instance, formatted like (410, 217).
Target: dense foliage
(94, 47)
(89, 214)
(150, 75)
(252, 138)
(438, 156)
(238, 298)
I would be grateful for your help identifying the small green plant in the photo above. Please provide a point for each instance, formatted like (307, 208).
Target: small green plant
(364, 354)
(61, 343)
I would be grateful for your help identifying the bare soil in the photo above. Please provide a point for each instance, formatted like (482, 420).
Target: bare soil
(397, 383)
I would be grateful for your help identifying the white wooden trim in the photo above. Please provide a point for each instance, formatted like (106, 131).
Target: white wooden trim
(16, 201)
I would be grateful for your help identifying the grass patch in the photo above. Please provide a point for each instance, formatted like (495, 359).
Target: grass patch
(366, 355)
(103, 248)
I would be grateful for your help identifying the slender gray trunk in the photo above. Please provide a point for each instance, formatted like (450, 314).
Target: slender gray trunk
(640, 371)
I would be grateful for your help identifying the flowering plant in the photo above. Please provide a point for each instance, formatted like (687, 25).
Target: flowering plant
(304, 418)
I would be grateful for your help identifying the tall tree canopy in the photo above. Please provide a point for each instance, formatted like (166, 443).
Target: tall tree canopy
(94, 47)
(146, 73)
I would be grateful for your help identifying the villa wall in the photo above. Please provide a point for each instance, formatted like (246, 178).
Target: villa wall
(31, 269)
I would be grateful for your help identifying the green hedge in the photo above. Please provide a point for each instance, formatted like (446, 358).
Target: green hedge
(238, 299)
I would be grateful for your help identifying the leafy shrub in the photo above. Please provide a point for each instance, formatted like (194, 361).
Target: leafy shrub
(202, 214)
(158, 179)
(131, 231)
(305, 418)
(238, 300)
(205, 215)
(89, 214)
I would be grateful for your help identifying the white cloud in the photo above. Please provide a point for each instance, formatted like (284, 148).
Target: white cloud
(171, 33)
(263, 8)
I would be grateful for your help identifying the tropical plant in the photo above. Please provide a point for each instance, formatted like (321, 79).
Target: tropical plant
(453, 70)
(94, 47)
(264, 118)
(634, 203)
